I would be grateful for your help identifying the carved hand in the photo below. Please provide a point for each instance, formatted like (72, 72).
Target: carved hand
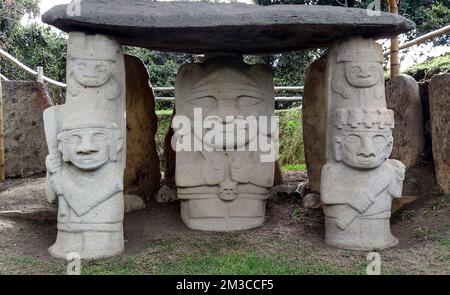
(213, 170)
(399, 169)
(54, 162)
(362, 200)
(241, 170)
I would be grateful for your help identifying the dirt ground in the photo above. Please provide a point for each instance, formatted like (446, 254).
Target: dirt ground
(291, 233)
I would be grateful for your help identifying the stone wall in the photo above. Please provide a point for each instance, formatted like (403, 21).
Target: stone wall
(24, 137)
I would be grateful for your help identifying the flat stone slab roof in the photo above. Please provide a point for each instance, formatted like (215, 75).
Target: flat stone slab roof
(198, 27)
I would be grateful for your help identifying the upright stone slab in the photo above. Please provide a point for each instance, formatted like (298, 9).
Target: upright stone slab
(224, 182)
(314, 115)
(359, 181)
(23, 127)
(439, 95)
(142, 173)
(403, 97)
(86, 160)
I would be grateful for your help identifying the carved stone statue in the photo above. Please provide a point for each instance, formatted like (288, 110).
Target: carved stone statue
(85, 137)
(222, 183)
(359, 181)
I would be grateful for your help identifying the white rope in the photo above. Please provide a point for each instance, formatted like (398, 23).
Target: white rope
(443, 31)
(33, 72)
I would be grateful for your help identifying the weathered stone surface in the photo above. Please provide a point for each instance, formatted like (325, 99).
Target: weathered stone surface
(359, 180)
(86, 142)
(23, 127)
(25, 198)
(142, 173)
(314, 115)
(439, 96)
(207, 27)
(403, 97)
(224, 184)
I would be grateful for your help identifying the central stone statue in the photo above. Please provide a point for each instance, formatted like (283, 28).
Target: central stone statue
(222, 176)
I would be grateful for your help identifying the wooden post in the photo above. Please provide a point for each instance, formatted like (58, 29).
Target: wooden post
(395, 61)
(2, 149)
(40, 74)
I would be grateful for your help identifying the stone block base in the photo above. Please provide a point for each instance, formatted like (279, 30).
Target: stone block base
(362, 234)
(88, 244)
(214, 214)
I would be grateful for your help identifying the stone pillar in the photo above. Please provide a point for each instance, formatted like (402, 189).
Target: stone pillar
(86, 143)
(359, 181)
(314, 115)
(223, 177)
(439, 95)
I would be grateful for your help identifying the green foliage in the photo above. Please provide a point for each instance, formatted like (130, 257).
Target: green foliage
(291, 137)
(36, 45)
(11, 12)
(441, 63)
(297, 167)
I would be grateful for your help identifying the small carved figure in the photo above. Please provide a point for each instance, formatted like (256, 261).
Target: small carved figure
(91, 67)
(224, 185)
(359, 75)
(358, 188)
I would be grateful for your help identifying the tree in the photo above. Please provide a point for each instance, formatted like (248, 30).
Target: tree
(11, 12)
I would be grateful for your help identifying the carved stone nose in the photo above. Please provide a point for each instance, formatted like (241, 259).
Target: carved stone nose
(366, 149)
(87, 148)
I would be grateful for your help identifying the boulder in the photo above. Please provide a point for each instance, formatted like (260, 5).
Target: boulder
(23, 127)
(133, 203)
(167, 194)
(198, 27)
(312, 201)
(439, 97)
(403, 97)
(25, 198)
(315, 121)
(142, 173)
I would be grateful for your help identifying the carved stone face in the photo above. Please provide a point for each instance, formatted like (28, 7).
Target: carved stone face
(92, 73)
(362, 75)
(88, 149)
(364, 150)
(227, 95)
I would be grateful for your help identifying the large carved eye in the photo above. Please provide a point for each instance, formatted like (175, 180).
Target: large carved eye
(74, 139)
(204, 102)
(81, 67)
(352, 139)
(101, 68)
(100, 137)
(379, 139)
(355, 70)
(373, 69)
(245, 101)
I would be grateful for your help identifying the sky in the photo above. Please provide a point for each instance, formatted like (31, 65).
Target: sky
(416, 54)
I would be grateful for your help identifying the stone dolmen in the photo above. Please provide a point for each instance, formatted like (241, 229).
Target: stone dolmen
(223, 170)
